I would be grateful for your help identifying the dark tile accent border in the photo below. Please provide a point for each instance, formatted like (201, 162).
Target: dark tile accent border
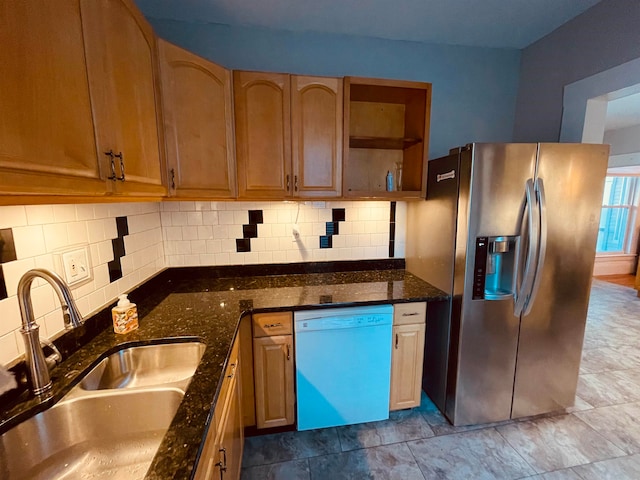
(7, 246)
(3, 285)
(332, 227)
(117, 244)
(243, 244)
(392, 229)
(249, 231)
(326, 241)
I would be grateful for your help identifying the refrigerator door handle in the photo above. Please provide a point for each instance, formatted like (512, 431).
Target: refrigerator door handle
(533, 227)
(542, 205)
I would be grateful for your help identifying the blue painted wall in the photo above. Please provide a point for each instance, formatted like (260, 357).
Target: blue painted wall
(605, 36)
(474, 89)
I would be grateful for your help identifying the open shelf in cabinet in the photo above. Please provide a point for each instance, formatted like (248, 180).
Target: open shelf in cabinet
(386, 129)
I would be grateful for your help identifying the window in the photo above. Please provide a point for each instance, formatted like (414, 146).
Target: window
(618, 215)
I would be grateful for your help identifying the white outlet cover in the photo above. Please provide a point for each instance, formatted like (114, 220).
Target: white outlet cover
(74, 265)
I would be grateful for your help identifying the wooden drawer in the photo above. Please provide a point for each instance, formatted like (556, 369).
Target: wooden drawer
(269, 324)
(229, 379)
(409, 313)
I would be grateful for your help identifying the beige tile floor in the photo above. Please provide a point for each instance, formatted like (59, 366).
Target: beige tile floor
(599, 438)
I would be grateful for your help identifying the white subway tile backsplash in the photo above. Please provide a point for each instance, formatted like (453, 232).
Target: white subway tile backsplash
(190, 233)
(8, 348)
(12, 216)
(56, 236)
(54, 227)
(29, 241)
(64, 213)
(205, 232)
(210, 218)
(179, 218)
(84, 212)
(180, 234)
(226, 217)
(77, 233)
(110, 228)
(213, 246)
(13, 271)
(53, 323)
(198, 246)
(170, 206)
(37, 214)
(10, 315)
(194, 218)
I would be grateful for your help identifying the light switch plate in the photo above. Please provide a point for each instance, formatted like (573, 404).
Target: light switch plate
(74, 265)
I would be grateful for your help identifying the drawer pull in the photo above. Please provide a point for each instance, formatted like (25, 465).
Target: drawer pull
(272, 325)
(224, 456)
(412, 314)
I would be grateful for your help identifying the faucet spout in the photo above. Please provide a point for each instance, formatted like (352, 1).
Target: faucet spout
(36, 362)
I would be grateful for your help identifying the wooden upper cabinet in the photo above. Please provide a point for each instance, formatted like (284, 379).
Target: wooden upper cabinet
(288, 135)
(198, 122)
(386, 129)
(121, 66)
(263, 147)
(316, 126)
(47, 143)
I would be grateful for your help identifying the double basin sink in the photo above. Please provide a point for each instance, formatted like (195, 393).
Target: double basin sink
(111, 423)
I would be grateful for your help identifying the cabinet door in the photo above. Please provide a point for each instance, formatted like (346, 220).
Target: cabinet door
(406, 366)
(233, 440)
(121, 60)
(273, 370)
(47, 144)
(316, 129)
(263, 145)
(198, 122)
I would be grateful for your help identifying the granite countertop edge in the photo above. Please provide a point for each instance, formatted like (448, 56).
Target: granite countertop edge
(179, 306)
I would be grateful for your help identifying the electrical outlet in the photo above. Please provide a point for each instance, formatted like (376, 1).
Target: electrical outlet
(75, 265)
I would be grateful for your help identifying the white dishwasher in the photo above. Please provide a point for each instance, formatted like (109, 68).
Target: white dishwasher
(343, 365)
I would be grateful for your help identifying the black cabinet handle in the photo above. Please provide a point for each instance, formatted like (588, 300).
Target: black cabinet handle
(120, 156)
(112, 176)
(173, 179)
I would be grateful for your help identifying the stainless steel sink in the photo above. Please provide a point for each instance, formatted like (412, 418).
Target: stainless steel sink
(163, 364)
(111, 424)
(112, 435)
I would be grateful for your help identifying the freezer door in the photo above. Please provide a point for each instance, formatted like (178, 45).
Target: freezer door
(484, 334)
(551, 335)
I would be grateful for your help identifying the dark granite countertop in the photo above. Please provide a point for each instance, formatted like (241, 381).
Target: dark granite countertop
(201, 303)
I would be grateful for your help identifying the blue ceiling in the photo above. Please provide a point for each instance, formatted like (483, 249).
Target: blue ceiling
(483, 23)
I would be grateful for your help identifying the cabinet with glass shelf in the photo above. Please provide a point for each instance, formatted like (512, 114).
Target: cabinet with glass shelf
(386, 130)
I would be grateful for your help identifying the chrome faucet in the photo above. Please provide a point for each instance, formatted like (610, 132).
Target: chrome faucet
(37, 364)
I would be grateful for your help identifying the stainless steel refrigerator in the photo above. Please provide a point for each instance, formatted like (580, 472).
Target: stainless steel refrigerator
(509, 231)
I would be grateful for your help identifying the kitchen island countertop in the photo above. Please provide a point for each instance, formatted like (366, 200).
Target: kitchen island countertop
(195, 303)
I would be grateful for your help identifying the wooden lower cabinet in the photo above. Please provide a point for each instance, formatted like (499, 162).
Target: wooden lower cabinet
(222, 454)
(406, 366)
(274, 388)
